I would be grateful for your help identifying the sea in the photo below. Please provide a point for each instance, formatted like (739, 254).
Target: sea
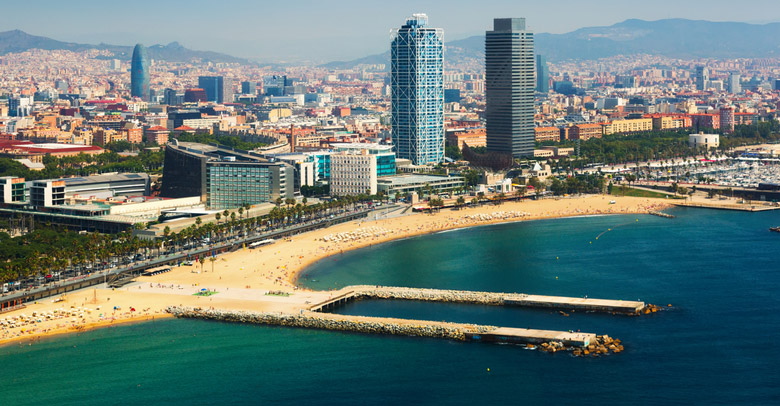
(717, 344)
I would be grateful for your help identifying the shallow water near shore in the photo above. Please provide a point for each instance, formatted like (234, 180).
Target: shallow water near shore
(716, 345)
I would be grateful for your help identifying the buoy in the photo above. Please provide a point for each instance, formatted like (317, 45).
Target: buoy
(556, 277)
(488, 369)
(591, 242)
(556, 257)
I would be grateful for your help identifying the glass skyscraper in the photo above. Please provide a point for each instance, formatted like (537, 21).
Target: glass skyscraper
(139, 73)
(509, 88)
(417, 85)
(542, 75)
(218, 88)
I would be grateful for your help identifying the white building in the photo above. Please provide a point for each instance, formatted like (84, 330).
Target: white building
(352, 173)
(704, 140)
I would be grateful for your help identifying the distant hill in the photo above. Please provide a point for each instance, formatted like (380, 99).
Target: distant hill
(676, 38)
(20, 41)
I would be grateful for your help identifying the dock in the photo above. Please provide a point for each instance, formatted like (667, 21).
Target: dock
(484, 298)
(575, 303)
(333, 302)
(533, 336)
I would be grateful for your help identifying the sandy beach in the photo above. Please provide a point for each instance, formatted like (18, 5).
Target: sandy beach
(244, 279)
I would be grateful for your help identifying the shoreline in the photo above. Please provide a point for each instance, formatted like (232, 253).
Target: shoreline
(245, 277)
(301, 270)
(54, 334)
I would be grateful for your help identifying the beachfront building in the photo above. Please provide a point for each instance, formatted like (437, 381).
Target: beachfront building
(352, 173)
(385, 157)
(12, 189)
(509, 88)
(223, 177)
(408, 183)
(417, 86)
(706, 141)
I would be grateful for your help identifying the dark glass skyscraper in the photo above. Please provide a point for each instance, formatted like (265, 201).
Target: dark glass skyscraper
(139, 73)
(218, 88)
(509, 87)
(542, 75)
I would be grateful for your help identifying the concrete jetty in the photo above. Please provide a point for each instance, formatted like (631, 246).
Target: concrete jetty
(474, 297)
(533, 336)
(392, 326)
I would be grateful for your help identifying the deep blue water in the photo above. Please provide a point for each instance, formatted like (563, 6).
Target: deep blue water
(716, 345)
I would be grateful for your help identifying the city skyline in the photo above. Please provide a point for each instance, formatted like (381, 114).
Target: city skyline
(316, 33)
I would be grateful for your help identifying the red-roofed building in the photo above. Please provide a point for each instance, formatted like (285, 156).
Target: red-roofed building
(585, 131)
(705, 121)
(182, 129)
(35, 152)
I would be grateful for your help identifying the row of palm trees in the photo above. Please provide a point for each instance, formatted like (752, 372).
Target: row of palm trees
(101, 250)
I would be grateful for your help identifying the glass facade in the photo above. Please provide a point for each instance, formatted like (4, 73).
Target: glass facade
(417, 85)
(233, 185)
(385, 164)
(509, 88)
(139, 73)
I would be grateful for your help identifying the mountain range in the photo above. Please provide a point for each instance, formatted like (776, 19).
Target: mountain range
(676, 38)
(20, 41)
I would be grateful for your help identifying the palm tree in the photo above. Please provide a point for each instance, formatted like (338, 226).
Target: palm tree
(201, 260)
(460, 202)
(218, 216)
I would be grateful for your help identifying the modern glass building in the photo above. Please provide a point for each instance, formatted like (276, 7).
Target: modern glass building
(542, 75)
(233, 184)
(702, 78)
(509, 88)
(224, 178)
(218, 88)
(139, 73)
(417, 86)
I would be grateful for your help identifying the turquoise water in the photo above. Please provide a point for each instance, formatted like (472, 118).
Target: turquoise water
(716, 345)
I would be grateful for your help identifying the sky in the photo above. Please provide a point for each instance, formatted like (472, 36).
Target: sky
(322, 31)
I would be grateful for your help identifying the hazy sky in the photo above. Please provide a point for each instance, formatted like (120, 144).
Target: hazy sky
(323, 30)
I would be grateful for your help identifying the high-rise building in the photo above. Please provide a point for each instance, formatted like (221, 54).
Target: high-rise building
(139, 73)
(702, 78)
(727, 119)
(417, 86)
(509, 88)
(218, 88)
(249, 87)
(542, 75)
(735, 84)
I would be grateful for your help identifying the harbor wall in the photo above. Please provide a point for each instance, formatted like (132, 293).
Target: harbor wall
(321, 321)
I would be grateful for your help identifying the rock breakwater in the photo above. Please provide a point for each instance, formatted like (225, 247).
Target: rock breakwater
(323, 321)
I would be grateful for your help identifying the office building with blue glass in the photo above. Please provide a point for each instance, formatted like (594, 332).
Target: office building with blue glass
(417, 87)
(139, 73)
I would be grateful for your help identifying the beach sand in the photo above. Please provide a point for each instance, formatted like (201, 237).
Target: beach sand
(243, 278)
